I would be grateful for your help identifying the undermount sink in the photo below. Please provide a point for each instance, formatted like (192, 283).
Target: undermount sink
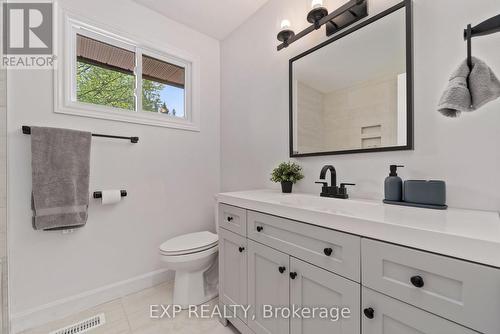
(332, 205)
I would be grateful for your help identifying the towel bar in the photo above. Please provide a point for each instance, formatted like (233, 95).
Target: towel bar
(27, 131)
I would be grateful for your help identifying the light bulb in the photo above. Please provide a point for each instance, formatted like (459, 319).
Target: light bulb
(285, 24)
(316, 4)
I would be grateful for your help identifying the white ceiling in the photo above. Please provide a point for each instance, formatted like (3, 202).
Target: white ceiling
(216, 18)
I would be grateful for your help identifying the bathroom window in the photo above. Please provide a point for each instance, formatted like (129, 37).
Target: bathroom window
(104, 74)
(112, 77)
(163, 86)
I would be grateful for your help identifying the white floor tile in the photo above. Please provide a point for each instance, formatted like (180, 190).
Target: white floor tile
(131, 315)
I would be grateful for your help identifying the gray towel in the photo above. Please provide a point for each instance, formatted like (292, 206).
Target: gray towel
(60, 174)
(469, 90)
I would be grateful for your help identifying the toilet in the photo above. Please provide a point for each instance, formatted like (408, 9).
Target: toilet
(193, 257)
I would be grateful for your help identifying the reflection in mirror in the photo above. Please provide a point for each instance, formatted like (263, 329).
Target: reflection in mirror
(352, 95)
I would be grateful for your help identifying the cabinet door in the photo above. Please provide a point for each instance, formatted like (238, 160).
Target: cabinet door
(267, 286)
(390, 316)
(232, 269)
(315, 287)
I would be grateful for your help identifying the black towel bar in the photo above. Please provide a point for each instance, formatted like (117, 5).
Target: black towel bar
(98, 194)
(488, 27)
(27, 131)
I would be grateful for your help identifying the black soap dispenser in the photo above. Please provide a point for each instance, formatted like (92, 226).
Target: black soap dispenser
(394, 185)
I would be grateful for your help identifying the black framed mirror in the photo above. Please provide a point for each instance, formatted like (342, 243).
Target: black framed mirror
(354, 92)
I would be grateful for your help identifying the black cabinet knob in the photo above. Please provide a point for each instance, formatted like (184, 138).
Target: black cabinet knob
(417, 281)
(293, 275)
(230, 219)
(241, 249)
(369, 313)
(282, 270)
(328, 251)
(259, 228)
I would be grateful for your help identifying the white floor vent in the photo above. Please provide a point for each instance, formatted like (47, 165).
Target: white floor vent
(83, 326)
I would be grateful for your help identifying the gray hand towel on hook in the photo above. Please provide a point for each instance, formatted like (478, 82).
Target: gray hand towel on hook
(60, 175)
(469, 90)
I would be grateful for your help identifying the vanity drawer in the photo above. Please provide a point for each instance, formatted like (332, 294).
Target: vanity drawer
(385, 315)
(331, 250)
(464, 292)
(233, 219)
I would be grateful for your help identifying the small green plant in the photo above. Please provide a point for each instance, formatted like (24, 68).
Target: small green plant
(287, 172)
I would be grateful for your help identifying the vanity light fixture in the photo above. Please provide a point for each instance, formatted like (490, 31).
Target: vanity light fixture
(286, 33)
(317, 13)
(352, 11)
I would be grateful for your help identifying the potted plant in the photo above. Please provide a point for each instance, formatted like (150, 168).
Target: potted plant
(287, 173)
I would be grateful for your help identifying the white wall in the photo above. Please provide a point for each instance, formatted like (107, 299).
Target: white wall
(171, 175)
(3, 197)
(3, 163)
(254, 117)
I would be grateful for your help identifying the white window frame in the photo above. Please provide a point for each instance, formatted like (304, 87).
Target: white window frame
(65, 77)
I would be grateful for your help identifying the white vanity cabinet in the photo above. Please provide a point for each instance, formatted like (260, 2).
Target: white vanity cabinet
(233, 270)
(276, 260)
(387, 288)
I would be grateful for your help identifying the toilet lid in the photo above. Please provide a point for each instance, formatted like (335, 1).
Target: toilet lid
(189, 243)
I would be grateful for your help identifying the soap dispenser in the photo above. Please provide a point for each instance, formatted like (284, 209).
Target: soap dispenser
(394, 185)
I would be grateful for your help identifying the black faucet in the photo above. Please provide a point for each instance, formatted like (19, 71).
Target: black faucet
(332, 190)
(333, 172)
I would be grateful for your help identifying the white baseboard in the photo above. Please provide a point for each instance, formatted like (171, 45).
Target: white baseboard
(62, 308)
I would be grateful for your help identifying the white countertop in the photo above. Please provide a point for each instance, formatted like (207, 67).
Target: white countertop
(465, 234)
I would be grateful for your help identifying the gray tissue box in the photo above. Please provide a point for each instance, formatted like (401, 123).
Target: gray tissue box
(425, 192)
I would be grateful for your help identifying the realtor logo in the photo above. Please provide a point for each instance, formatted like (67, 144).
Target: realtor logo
(28, 31)
(27, 28)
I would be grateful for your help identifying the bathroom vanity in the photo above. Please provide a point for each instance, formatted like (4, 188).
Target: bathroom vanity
(399, 270)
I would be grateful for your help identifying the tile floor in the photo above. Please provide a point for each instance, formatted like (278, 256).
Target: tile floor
(130, 315)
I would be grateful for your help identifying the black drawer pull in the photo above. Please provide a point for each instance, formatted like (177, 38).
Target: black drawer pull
(230, 219)
(417, 281)
(328, 251)
(241, 249)
(293, 275)
(259, 228)
(282, 270)
(369, 313)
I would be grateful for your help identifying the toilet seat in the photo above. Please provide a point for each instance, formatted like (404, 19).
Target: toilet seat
(189, 257)
(189, 244)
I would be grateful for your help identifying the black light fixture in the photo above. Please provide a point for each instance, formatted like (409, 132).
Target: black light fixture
(317, 13)
(286, 33)
(342, 17)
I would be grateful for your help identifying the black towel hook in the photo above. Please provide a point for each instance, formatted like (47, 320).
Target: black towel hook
(468, 37)
(490, 26)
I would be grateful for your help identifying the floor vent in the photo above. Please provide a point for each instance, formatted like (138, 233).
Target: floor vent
(83, 326)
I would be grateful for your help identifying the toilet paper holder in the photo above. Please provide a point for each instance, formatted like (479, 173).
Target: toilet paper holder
(98, 194)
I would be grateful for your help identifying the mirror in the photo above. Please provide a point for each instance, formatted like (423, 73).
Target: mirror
(353, 93)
